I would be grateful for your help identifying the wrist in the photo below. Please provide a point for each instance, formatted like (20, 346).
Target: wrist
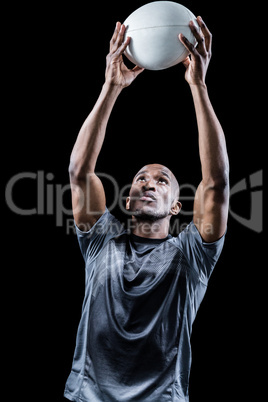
(200, 85)
(198, 89)
(112, 89)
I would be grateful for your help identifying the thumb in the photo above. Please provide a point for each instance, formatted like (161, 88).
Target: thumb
(186, 62)
(137, 70)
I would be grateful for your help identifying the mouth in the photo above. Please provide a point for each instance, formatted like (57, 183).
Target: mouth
(148, 196)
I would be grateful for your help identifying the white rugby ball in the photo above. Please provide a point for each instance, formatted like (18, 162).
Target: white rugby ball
(154, 30)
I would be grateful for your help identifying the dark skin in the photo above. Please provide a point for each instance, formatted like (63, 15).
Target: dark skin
(153, 200)
(212, 196)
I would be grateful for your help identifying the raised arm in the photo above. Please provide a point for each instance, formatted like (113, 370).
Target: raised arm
(88, 197)
(212, 195)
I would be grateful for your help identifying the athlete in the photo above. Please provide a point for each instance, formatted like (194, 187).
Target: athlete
(143, 287)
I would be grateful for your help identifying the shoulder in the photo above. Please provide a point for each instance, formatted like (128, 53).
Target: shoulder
(92, 241)
(201, 256)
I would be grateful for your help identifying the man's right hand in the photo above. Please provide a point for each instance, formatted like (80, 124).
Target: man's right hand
(117, 72)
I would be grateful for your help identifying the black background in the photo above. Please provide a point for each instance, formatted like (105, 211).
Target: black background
(54, 67)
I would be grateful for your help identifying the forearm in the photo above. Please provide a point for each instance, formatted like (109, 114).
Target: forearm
(212, 145)
(92, 133)
(91, 136)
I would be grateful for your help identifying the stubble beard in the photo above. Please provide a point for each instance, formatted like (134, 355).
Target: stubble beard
(152, 216)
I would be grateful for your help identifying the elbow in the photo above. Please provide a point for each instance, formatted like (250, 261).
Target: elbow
(73, 166)
(77, 171)
(81, 164)
(72, 169)
(222, 181)
(219, 182)
(80, 168)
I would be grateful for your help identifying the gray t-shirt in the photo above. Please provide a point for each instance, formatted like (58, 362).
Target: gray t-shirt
(141, 298)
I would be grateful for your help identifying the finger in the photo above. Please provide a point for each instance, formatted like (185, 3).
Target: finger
(123, 47)
(198, 36)
(187, 44)
(120, 36)
(115, 35)
(207, 34)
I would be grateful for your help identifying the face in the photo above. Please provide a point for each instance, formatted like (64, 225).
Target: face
(154, 193)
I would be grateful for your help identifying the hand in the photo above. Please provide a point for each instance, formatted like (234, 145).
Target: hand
(197, 64)
(116, 71)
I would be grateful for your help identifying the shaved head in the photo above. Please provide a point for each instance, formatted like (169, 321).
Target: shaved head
(166, 172)
(154, 195)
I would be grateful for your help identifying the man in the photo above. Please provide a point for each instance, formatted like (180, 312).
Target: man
(143, 288)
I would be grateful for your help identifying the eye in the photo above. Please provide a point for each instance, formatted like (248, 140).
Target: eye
(141, 178)
(162, 180)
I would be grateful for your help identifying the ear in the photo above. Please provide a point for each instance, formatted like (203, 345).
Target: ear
(128, 203)
(176, 207)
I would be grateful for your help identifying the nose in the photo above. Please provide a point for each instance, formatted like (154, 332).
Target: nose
(149, 185)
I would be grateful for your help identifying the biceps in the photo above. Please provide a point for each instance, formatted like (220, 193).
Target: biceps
(211, 211)
(88, 200)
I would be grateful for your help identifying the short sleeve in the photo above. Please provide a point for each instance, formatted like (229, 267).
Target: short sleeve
(201, 256)
(92, 241)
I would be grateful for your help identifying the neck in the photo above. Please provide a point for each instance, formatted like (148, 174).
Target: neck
(158, 229)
